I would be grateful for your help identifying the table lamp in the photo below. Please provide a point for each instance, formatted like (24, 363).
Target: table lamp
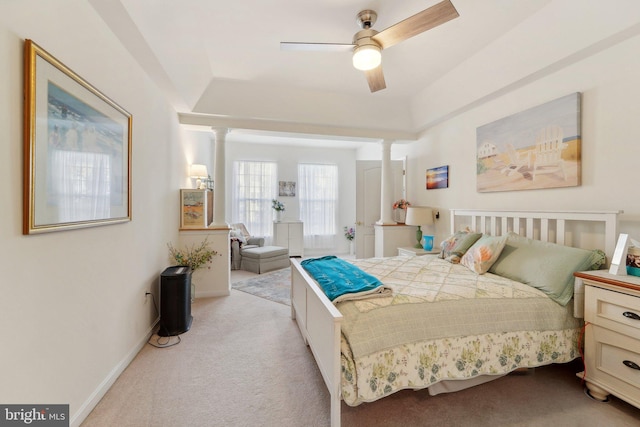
(198, 172)
(417, 215)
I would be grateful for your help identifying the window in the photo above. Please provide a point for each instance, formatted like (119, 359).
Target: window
(254, 186)
(318, 192)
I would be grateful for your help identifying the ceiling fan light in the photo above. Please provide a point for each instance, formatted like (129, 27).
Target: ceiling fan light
(366, 57)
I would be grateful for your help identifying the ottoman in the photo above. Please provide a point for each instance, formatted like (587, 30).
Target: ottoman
(264, 258)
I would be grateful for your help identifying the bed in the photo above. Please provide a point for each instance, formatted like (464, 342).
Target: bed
(367, 349)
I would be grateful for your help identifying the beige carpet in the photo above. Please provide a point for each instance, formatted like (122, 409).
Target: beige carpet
(243, 363)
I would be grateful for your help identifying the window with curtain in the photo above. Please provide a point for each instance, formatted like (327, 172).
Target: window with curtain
(254, 186)
(318, 192)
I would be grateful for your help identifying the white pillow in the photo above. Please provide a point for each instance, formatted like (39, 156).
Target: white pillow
(239, 235)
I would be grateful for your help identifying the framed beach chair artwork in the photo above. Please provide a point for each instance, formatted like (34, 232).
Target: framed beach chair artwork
(536, 148)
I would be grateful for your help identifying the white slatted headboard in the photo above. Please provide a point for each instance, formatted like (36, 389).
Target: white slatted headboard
(586, 230)
(564, 227)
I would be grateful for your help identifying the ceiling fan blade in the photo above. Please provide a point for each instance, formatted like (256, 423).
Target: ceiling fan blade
(324, 47)
(420, 22)
(375, 78)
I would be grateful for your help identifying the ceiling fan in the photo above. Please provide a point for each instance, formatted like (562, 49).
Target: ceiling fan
(368, 43)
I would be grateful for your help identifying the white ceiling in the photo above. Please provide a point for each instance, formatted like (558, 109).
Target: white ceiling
(198, 48)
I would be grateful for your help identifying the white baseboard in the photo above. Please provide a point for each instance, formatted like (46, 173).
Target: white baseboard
(98, 394)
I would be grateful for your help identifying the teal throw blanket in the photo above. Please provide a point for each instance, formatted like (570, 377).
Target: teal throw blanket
(339, 278)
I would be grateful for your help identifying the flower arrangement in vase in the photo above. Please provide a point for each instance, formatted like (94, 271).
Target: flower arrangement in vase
(400, 210)
(277, 206)
(349, 233)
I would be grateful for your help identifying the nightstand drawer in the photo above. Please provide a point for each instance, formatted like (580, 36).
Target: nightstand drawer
(615, 359)
(613, 310)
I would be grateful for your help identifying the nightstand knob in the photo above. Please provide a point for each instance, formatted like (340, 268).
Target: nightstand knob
(631, 315)
(630, 364)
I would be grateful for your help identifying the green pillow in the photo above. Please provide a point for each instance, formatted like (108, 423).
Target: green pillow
(455, 246)
(545, 266)
(598, 259)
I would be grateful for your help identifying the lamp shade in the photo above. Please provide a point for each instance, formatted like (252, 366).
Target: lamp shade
(366, 57)
(198, 171)
(417, 215)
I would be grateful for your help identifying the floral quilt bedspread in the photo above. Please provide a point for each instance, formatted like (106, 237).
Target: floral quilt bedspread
(445, 322)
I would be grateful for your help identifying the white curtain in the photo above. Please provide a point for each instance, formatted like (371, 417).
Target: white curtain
(80, 185)
(254, 186)
(318, 192)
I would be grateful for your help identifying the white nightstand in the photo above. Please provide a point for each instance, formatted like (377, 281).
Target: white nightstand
(612, 336)
(411, 251)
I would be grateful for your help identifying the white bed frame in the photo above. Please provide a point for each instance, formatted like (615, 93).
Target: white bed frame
(320, 322)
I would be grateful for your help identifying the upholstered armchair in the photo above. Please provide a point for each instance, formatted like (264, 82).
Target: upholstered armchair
(241, 240)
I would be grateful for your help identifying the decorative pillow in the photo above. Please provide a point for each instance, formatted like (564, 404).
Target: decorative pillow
(455, 246)
(543, 265)
(242, 229)
(483, 253)
(238, 235)
(598, 259)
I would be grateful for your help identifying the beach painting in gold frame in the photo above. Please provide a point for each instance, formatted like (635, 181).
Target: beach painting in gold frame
(535, 149)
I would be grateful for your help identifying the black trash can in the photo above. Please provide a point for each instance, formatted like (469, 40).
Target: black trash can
(175, 301)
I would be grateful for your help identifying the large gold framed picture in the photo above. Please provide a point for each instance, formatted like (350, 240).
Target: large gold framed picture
(77, 150)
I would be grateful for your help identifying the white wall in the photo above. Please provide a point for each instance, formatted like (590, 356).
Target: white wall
(288, 158)
(72, 303)
(373, 151)
(292, 104)
(198, 147)
(610, 150)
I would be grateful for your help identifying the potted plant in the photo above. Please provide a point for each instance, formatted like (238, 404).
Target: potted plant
(194, 257)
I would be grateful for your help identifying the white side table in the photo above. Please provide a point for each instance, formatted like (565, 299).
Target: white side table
(411, 251)
(612, 335)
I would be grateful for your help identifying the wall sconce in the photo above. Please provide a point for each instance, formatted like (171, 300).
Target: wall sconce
(198, 172)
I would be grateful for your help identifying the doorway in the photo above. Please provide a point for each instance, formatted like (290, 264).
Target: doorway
(368, 181)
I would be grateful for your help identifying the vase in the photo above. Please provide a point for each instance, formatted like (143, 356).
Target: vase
(193, 292)
(351, 247)
(279, 216)
(427, 243)
(399, 215)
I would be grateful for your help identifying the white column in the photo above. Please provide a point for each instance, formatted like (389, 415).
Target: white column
(386, 186)
(219, 177)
